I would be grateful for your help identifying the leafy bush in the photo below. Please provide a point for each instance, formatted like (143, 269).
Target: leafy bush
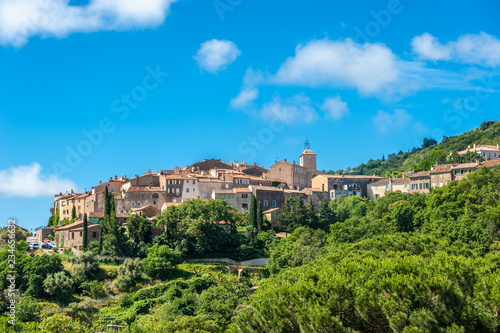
(59, 285)
(61, 323)
(160, 261)
(129, 274)
(28, 309)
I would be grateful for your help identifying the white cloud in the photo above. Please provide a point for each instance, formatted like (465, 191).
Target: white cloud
(245, 97)
(335, 107)
(368, 67)
(215, 55)
(480, 49)
(428, 47)
(28, 181)
(290, 110)
(249, 93)
(22, 19)
(386, 122)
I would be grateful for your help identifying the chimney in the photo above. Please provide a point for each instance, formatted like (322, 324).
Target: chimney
(110, 178)
(100, 182)
(284, 160)
(176, 170)
(136, 176)
(116, 177)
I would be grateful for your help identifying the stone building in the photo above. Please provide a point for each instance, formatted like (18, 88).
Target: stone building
(316, 194)
(140, 196)
(65, 203)
(441, 175)
(207, 165)
(268, 196)
(381, 187)
(256, 171)
(460, 171)
(294, 175)
(420, 182)
(239, 198)
(207, 185)
(488, 152)
(42, 233)
(147, 179)
(341, 186)
(71, 235)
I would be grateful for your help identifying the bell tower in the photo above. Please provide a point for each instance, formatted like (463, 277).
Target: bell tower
(308, 157)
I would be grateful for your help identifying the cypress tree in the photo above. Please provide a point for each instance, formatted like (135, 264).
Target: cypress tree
(85, 231)
(252, 214)
(259, 217)
(107, 209)
(73, 213)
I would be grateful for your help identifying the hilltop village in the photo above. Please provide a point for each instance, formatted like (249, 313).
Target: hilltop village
(237, 182)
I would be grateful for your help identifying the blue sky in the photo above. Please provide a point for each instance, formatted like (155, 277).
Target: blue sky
(239, 80)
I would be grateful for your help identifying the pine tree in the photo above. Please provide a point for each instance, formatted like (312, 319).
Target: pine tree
(383, 158)
(259, 217)
(252, 214)
(85, 232)
(73, 213)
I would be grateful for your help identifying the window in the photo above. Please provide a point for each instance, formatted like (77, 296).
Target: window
(420, 185)
(206, 195)
(231, 196)
(244, 196)
(64, 203)
(187, 190)
(79, 207)
(274, 203)
(155, 195)
(177, 190)
(194, 190)
(81, 233)
(222, 197)
(78, 200)
(377, 196)
(154, 202)
(244, 206)
(142, 195)
(72, 235)
(112, 190)
(266, 203)
(138, 204)
(94, 234)
(133, 204)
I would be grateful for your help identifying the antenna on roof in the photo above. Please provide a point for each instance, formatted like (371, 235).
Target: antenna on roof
(307, 144)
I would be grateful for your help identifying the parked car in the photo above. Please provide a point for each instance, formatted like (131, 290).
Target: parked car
(35, 246)
(46, 246)
(53, 244)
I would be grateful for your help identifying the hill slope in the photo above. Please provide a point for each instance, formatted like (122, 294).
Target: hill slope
(431, 152)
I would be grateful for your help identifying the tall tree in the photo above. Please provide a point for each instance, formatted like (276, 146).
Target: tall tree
(73, 213)
(107, 208)
(252, 214)
(259, 217)
(326, 215)
(85, 232)
(312, 217)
